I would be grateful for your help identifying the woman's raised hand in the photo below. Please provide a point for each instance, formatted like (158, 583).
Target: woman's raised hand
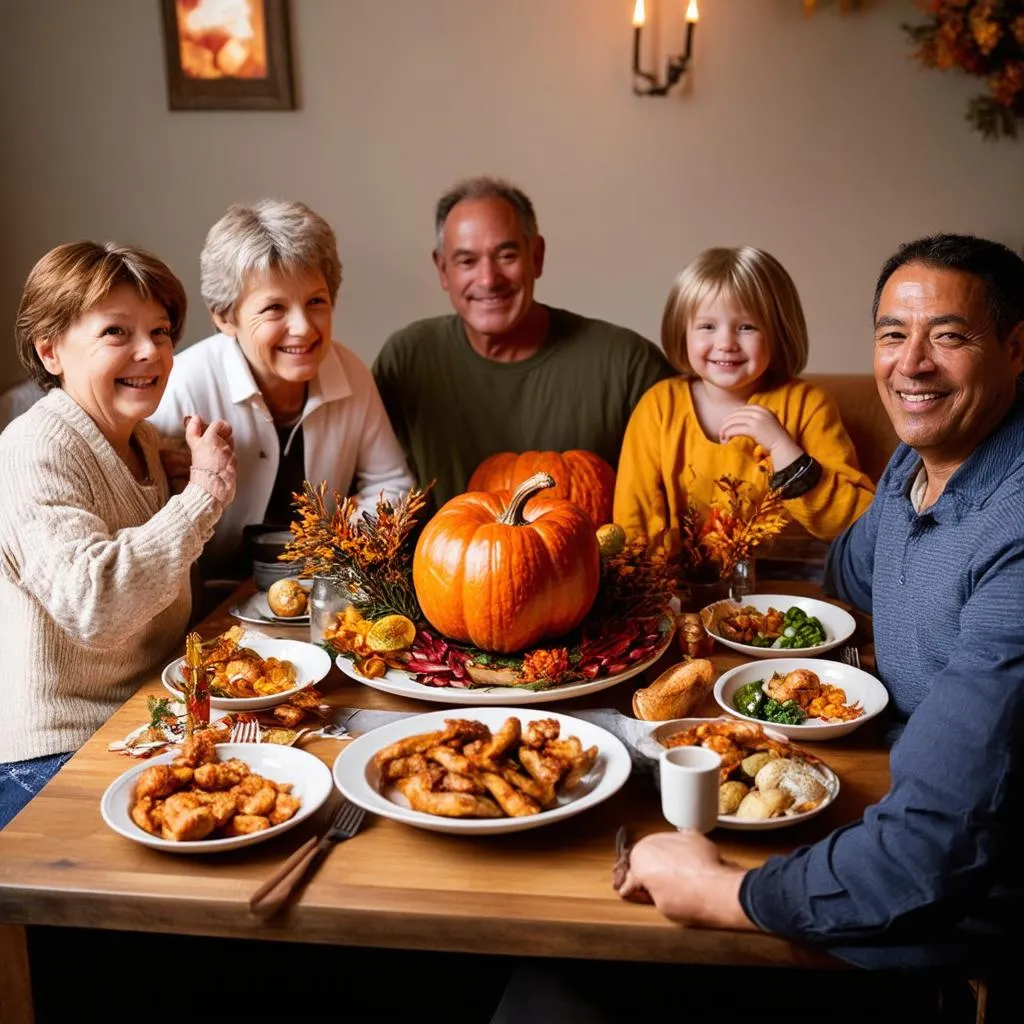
(213, 457)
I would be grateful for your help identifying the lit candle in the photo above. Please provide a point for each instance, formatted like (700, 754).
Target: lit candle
(692, 17)
(639, 20)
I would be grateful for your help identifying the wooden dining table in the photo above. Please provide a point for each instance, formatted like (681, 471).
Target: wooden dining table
(544, 892)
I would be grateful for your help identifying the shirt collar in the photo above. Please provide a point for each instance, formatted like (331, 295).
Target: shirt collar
(330, 383)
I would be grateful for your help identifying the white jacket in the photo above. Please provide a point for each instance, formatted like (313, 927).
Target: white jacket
(346, 432)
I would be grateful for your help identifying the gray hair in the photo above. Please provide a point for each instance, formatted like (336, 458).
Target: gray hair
(485, 187)
(270, 234)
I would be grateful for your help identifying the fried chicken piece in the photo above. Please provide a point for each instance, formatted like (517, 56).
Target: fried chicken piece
(249, 786)
(564, 750)
(221, 775)
(512, 801)
(503, 740)
(246, 824)
(186, 818)
(416, 789)
(801, 685)
(539, 731)
(222, 805)
(463, 731)
(546, 770)
(148, 815)
(456, 762)
(284, 808)
(260, 803)
(200, 748)
(405, 747)
(456, 782)
(289, 715)
(579, 767)
(542, 792)
(307, 698)
(159, 780)
(402, 766)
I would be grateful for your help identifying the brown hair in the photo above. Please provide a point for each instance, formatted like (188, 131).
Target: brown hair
(758, 282)
(69, 280)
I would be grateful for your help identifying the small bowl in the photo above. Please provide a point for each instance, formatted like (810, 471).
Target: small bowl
(839, 625)
(859, 686)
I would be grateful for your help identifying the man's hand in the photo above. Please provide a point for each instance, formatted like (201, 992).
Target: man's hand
(686, 880)
(763, 427)
(213, 457)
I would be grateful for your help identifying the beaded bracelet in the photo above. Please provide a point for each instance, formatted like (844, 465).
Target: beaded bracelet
(797, 478)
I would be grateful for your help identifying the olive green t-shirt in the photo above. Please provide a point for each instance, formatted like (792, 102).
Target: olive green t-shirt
(451, 408)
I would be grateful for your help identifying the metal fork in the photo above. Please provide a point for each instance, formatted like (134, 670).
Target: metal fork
(849, 655)
(246, 730)
(279, 890)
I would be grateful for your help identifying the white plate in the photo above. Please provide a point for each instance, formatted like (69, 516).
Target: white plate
(404, 684)
(309, 776)
(311, 663)
(839, 625)
(255, 609)
(858, 685)
(358, 778)
(651, 747)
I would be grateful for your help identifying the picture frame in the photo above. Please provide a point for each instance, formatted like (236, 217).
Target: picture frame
(234, 56)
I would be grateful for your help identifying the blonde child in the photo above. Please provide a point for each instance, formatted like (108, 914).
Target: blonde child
(734, 328)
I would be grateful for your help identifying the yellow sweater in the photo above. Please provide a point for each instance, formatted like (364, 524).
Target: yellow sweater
(666, 457)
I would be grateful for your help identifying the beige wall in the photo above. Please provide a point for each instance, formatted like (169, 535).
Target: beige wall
(817, 139)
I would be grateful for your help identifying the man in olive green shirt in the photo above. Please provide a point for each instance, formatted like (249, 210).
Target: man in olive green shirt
(505, 373)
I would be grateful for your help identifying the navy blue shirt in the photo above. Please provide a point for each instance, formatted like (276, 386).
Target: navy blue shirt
(930, 875)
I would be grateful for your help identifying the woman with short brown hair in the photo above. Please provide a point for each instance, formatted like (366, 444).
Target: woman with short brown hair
(94, 553)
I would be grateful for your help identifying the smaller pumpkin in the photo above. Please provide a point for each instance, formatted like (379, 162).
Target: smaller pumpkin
(391, 633)
(505, 571)
(580, 476)
(611, 538)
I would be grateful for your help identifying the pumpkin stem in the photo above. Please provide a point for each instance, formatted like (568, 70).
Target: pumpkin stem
(513, 514)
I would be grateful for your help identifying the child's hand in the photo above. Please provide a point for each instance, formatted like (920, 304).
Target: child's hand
(762, 426)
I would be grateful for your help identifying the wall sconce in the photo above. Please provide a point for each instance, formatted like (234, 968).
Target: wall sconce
(677, 66)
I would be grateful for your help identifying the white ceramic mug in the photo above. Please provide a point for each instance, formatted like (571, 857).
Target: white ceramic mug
(689, 787)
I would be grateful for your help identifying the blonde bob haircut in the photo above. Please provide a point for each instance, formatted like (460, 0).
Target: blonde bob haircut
(261, 237)
(759, 283)
(71, 279)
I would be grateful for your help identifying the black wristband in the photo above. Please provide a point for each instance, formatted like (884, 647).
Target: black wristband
(797, 478)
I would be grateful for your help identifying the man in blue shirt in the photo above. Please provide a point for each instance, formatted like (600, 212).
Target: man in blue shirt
(931, 874)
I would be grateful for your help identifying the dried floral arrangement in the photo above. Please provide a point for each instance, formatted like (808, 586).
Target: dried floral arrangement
(368, 555)
(983, 38)
(709, 545)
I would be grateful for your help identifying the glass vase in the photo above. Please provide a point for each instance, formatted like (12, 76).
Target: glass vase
(743, 580)
(327, 598)
(693, 595)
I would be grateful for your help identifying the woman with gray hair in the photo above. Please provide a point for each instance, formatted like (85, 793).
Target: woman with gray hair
(302, 406)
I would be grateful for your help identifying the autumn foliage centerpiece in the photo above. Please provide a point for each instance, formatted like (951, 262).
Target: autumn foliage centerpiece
(505, 588)
(709, 545)
(984, 38)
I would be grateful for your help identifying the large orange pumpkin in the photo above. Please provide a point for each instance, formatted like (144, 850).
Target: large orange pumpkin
(504, 571)
(580, 476)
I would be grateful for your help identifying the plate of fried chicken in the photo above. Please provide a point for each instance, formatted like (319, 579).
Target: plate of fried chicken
(482, 770)
(205, 797)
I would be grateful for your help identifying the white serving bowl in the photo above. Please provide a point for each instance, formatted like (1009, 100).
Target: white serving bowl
(309, 776)
(858, 685)
(839, 625)
(311, 663)
(652, 747)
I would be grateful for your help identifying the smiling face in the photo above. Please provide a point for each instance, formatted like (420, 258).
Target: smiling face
(945, 378)
(282, 322)
(726, 346)
(488, 266)
(114, 360)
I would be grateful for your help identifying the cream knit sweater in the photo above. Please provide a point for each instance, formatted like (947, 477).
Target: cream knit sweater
(94, 575)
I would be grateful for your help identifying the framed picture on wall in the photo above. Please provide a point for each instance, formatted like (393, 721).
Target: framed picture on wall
(227, 55)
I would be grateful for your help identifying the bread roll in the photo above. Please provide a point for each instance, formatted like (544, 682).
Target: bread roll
(287, 598)
(676, 693)
(760, 805)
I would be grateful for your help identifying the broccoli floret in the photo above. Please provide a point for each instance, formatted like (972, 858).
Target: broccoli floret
(787, 713)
